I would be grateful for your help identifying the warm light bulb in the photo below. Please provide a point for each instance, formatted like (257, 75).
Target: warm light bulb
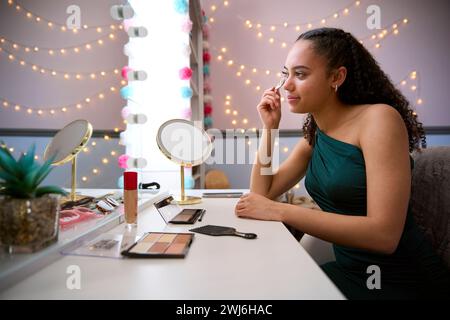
(76, 50)
(51, 52)
(244, 121)
(323, 21)
(419, 101)
(84, 179)
(103, 73)
(94, 143)
(309, 25)
(271, 40)
(5, 103)
(100, 41)
(22, 63)
(79, 106)
(101, 96)
(225, 3)
(40, 112)
(92, 75)
(50, 24)
(227, 111)
(211, 20)
(267, 72)
(30, 111)
(53, 73)
(105, 160)
(66, 76)
(336, 15)
(242, 67)
(403, 82)
(405, 21)
(94, 171)
(106, 137)
(396, 31)
(227, 103)
(228, 97)
(258, 88)
(247, 82)
(213, 8)
(297, 28)
(346, 10)
(113, 153)
(260, 34)
(272, 28)
(219, 58)
(254, 70)
(111, 36)
(64, 109)
(283, 45)
(223, 49)
(17, 108)
(234, 122)
(230, 62)
(99, 30)
(238, 74)
(63, 28)
(78, 77)
(413, 88)
(87, 100)
(285, 149)
(88, 46)
(377, 45)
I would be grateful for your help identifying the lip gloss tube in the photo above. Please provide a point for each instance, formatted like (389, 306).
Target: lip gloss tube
(130, 198)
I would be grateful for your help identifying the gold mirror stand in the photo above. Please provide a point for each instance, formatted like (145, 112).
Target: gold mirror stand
(183, 199)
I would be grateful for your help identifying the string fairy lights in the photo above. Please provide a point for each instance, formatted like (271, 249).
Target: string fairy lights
(53, 111)
(65, 75)
(63, 51)
(52, 25)
(261, 27)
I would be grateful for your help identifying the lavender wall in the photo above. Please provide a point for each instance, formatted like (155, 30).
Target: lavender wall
(421, 45)
(29, 88)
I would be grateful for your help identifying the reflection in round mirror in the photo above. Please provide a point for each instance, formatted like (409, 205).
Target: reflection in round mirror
(185, 144)
(66, 144)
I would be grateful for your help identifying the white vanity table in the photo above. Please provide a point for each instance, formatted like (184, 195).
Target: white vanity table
(273, 266)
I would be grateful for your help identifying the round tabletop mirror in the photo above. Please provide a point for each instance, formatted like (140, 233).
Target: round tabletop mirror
(185, 144)
(66, 144)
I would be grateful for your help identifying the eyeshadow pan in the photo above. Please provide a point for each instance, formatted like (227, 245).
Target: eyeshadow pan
(176, 248)
(141, 247)
(167, 238)
(153, 237)
(158, 247)
(182, 238)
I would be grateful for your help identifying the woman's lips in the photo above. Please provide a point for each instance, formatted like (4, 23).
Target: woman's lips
(293, 98)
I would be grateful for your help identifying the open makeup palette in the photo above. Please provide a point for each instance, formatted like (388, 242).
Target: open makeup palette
(161, 245)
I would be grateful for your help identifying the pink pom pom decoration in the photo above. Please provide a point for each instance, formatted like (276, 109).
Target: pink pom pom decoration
(125, 112)
(185, 73)
(122, 160)
(205, 30)
(186, 113)
(186, 26)
(206, 57)
(125, 72)
(127, 24)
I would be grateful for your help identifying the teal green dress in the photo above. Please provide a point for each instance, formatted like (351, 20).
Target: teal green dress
(336, 180)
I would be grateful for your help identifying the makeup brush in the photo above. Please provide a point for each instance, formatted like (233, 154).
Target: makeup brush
(280, 84)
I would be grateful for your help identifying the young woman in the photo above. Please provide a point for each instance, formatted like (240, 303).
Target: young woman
(355, 153)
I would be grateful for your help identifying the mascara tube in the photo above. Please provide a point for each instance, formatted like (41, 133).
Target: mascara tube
(130, 198)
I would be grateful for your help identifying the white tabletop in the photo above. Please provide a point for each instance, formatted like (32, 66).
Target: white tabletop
(273, 266)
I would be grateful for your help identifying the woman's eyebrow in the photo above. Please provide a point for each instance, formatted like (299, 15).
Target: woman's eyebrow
(298, 67)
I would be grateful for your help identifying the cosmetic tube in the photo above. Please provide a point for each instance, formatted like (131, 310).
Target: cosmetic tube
(130, 198)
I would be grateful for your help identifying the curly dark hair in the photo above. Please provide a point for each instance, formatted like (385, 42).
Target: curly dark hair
(365, 83)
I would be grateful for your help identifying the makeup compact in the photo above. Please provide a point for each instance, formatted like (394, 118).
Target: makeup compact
(160, 245)
(172, 213)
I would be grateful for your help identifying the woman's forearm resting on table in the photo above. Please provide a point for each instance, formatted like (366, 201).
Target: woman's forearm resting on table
(361, 232)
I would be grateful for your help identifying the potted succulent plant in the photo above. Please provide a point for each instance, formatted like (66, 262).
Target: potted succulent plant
(29, 213)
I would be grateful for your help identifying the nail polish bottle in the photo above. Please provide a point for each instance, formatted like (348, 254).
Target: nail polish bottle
(130, 198)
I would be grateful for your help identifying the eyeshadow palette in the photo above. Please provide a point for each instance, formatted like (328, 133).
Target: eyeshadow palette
(161, 245)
